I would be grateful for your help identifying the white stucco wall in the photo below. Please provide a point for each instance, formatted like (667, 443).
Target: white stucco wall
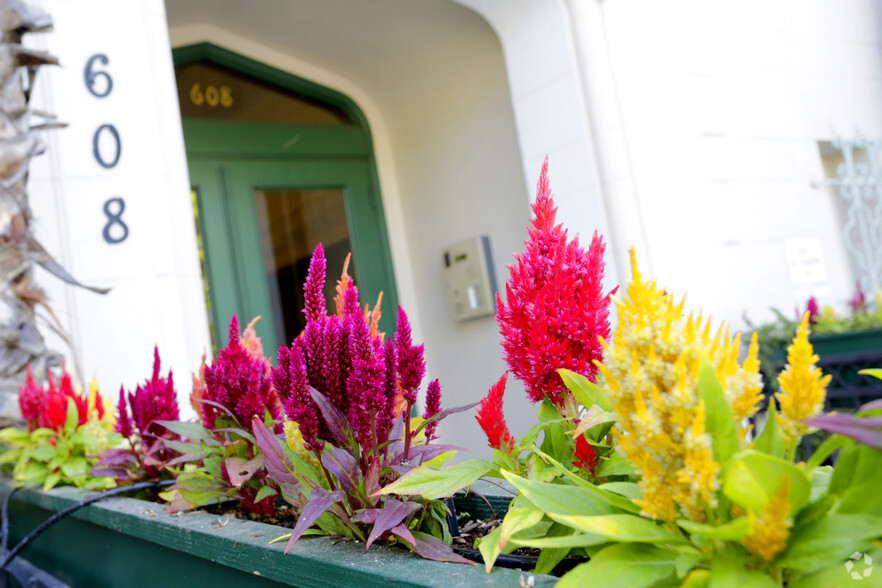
(723, 105)
(447, 157)
(156, 295)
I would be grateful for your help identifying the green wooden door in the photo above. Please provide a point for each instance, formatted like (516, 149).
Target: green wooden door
(254, 252)
(277, 164)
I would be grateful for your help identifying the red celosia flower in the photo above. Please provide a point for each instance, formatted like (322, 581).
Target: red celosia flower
(492, 420)
(555, 309)
(47, 407)
(586, 456)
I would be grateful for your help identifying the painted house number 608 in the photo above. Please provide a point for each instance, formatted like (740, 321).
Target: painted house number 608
(100, 84)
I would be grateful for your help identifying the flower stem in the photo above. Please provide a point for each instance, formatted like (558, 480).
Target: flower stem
(407, 433)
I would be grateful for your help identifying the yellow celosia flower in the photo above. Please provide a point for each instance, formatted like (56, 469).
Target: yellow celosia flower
(294, 438)
(108, 419)
(652, 379)
(770, 530)
(803, 385)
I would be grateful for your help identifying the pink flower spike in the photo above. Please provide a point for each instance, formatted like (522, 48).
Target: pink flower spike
(313, 290)
(433, 407)
(411, 366)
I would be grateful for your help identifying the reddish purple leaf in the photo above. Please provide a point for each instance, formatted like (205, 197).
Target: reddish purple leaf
(874, 405)
(367, 516)
(320, 500)
(338, 424)
(433, 548)
(445, 413)
(423, 453)
(372, 477)
(403, 532)
(344, 467)
(392, 514)
(277, 463)
(116, 457)
(864, 430)
(188, 457)
(240, 471)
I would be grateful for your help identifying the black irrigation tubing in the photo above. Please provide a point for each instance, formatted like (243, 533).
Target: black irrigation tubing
(62, 514)
(4, 526)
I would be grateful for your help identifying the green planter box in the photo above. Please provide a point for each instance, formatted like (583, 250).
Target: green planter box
(132, 543)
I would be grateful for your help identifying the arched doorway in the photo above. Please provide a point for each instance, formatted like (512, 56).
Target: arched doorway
(277, 163)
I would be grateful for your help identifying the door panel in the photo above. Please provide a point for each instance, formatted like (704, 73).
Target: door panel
(240, 203)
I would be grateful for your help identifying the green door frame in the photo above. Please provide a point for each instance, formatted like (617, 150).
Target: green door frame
(211, 145)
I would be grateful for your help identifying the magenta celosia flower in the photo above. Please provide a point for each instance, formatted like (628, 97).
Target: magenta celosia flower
(314, 308)
(240, 382)
(492, 420)
(29, 398)
(411, 366)
(156, 400)
(387, 417)
(123, 422)
(813, 309)
(555, 307)
(433, 407)
(859, 300)
(338, 356)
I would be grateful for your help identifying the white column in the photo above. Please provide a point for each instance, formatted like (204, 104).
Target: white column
(125, 147)
(550, 112)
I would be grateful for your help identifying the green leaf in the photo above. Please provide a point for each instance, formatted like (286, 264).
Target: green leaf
(585, 391)
(192, 431)
(629, 490)
(559, 499)
(550, 555)
(433, 484)
(718, 419)
(731, 531)
(517, 519)
(771, 439)
(623, 566)
(50, 481)
(613, 499)
(620, 527)
(728, 570)
(697, 579)
(616, 465)
(862, 493)
(14, 435)
(264, 492)
(593, 416)
(489, 548)
(571, 540)
(830, 445)
(45, 452)
(75, 467)
(686, 561)
(556, 442)
(876, 373)
(753, 478)
(73, 417)
(836, 574)
(830, 540)
(820, 479)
